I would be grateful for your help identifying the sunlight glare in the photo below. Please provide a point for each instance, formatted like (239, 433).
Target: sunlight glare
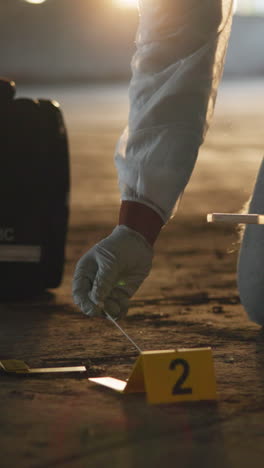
(126, 3)
(35, 2)
(250, 7)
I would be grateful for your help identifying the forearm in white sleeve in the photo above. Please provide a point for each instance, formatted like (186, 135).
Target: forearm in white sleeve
(176, 69)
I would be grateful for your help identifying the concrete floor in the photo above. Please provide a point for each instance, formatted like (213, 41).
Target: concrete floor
(190, 299)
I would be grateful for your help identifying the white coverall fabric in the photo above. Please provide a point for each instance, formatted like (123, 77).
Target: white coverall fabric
(250, 272)
(176, 69)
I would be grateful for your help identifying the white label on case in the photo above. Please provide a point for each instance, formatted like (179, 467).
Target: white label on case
(20, 253)
(7, 234)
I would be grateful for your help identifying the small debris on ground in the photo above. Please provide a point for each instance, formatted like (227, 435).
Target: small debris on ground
(217, 310)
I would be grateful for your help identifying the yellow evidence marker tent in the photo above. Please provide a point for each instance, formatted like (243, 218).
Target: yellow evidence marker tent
(169, 376)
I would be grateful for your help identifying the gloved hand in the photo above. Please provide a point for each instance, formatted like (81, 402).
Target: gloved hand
(111, 272)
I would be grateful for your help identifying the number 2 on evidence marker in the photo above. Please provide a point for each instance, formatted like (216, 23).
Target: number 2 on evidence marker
(177, 389)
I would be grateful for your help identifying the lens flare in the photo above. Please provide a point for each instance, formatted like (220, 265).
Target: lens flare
(35, 2)
(250, 7)
(126, 3)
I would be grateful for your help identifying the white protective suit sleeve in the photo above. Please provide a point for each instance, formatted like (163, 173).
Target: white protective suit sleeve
(176, 69)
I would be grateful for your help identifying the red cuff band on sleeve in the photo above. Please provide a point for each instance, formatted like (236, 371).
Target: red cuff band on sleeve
(142, 219)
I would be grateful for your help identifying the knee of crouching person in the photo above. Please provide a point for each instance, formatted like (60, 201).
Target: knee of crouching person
(252, 299)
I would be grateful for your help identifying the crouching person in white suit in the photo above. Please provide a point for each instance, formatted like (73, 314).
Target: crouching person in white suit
(181, 46)
(251, 257)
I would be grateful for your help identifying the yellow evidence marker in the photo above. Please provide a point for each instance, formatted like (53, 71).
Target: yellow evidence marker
(15, 366)
(169, 376)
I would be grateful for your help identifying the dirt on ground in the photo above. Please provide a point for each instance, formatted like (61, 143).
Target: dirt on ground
(190, 300)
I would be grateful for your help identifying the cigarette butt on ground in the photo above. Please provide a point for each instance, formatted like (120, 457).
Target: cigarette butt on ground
(235, 218)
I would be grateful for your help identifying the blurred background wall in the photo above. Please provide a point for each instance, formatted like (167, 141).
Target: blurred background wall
(82, 40)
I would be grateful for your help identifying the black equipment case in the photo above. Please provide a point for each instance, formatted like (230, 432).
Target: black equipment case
(34, 193)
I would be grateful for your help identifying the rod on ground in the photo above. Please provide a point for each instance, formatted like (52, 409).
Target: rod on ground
(235, 218)
(122, 331)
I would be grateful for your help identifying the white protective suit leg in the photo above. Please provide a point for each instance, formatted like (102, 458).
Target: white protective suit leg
(250, 270)
(181, 46)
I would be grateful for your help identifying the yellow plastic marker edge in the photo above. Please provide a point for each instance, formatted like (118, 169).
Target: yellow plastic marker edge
(168, 376)
(14, 366)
